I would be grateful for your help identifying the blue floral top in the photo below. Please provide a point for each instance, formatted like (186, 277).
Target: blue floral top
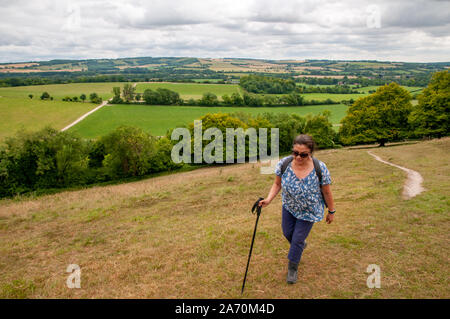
(302, 197)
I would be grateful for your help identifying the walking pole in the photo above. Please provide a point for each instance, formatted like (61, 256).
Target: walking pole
(258, 212)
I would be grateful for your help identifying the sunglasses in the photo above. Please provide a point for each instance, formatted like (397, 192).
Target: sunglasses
(302, 155)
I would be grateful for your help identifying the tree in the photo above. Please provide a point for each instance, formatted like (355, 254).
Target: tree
(168, 97)
(151, 97)
(293, 99)
(44, 159)
(30, 96)
(128, 92)
(209, 99)
(45, 96)
(138, 96)
(431, 117)
(289, 125)
(380, 117)
(237, 99)
(116, 98)
(128, 152)
(321, 129)
(226, 99)
(116, 91)
(95, 98)
(83, 97)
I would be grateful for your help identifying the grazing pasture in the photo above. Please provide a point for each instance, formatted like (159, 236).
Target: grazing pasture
(157, 119)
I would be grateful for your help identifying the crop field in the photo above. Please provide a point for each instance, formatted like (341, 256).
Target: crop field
(187, 235)
(158, 119)
(59, 91)
(18, 111)
(23, 113)
(191, 90)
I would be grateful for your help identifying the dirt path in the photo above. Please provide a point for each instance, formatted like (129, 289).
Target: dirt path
(88, 113)
(413, 183)
(85, 115)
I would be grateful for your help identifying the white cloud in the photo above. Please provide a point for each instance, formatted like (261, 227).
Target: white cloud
(408, 30)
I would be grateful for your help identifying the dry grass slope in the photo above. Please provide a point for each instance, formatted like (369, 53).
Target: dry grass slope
(187, 235)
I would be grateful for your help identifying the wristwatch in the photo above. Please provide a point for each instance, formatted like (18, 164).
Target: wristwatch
(332, 212)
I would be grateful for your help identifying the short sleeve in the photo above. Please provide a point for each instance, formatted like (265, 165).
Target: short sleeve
(279, 165)
(326, 178)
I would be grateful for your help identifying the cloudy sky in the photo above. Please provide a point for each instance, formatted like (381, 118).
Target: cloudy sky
(411, 31)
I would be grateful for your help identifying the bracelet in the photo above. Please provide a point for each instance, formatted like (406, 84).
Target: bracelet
(332, 212)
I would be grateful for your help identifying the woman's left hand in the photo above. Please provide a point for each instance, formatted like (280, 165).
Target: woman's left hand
(330, 218)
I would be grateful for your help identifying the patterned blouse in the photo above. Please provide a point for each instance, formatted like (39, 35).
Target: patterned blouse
(302, 197)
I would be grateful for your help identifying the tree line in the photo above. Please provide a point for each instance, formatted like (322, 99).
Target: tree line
(266, 84)
(162, 96)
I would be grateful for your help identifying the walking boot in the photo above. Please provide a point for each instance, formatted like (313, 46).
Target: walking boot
(292, 273)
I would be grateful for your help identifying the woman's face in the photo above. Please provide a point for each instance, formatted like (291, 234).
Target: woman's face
(298, 150)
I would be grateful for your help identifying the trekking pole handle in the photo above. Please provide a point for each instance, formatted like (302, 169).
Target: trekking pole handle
(257, 207)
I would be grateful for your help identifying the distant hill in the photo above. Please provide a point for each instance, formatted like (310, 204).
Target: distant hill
(223, 69)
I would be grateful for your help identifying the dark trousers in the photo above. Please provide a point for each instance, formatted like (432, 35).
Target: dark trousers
(295, 230)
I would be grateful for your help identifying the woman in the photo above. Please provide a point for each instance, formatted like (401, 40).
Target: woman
(303, 203)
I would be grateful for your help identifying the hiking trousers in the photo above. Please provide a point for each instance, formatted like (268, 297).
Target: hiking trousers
(295, 230)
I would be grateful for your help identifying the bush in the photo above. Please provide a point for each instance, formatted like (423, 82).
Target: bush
(208, 99)
(128, 151)
(45, 96)
(94, 98)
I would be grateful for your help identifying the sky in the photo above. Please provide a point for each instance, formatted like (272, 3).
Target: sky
(407, 31)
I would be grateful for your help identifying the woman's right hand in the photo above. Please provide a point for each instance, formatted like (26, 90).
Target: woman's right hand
(264, 203)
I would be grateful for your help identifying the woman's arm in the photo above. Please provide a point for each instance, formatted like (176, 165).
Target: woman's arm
(272, 193)
(328, 197)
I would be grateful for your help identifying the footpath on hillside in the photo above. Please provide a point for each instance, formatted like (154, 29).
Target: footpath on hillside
(413, 183)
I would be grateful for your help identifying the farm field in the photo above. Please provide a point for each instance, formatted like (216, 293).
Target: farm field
(158, 119)
(173, 236)
(191, 90)
(59, 91)
(32, 115)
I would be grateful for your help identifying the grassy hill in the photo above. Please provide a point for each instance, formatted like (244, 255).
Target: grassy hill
(187, 235)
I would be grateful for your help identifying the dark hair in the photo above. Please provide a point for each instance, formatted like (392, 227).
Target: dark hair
(304, 139)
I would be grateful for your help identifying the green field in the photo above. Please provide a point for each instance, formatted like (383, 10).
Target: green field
(59, 91)
(33, 114)
(411, 89)
(18, 111)
(191, 90)
(331, 96)
(158, 119)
